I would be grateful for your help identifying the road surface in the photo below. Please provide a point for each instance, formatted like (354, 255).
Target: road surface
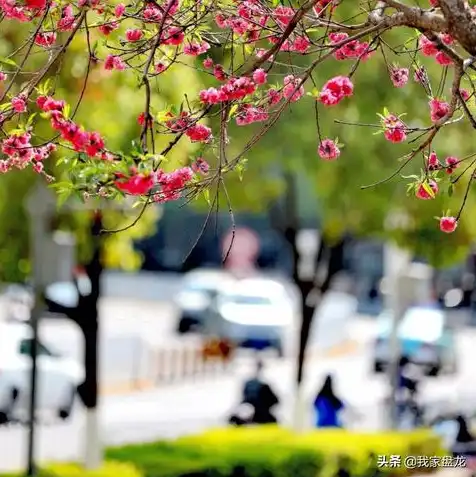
(188, 408)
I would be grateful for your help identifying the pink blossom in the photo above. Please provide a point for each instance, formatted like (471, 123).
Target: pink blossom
(399, 76)
(438, 109)
(19, 104)
(328, 150)
(292, 90)
(199, 133)
(134, 34)
(119, 10)
(259, 76)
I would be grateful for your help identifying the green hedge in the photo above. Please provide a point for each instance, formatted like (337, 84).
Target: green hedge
(261, 452)
(275, 452)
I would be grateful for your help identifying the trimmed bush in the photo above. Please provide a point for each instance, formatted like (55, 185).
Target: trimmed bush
(276, 452)
(109, 469)
(262, 452)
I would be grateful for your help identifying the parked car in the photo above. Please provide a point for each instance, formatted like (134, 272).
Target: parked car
(58, 376)
(253, 313)
(196, 293)
(424, 337)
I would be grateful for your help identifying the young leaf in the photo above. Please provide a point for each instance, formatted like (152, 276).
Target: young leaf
(66, 111)
(233, 110)
(428, 189)
(450, 190)
(206, 195)
(7, 61)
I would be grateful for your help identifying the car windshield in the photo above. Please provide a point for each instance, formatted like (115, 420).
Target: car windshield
(201, 287)
(421, 324)
(247, 300)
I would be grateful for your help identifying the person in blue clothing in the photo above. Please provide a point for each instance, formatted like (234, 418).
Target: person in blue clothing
(328, 406)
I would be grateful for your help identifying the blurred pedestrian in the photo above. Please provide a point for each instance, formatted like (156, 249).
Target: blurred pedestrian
(465, 443)
(259, 394)
(407, 392)
(328, 406)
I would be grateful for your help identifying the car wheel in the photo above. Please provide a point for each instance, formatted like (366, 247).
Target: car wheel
(184, 326)
(378, 368)
(6, 413)
(64, 413)
(434, 370)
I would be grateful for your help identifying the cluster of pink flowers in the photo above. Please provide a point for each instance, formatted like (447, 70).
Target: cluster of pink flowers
(234, 89)
(194, 48)
(438, 109)
(113, 62)
(201, 166)
(91, 143)
(137, 184)
(45, 39)
(172, 184)
(293, 89)
(335, 90)
(250, 16)
(433, 163)
(394, 128)
(325, 6)
(134, 34)
(428, 48)
(19, 103)
(185, 123)
(21, 12)
(169, 184)
(199, 133)
(399, 76)
(296, 44)
(251, 114)
(352, 49)
(20, 153)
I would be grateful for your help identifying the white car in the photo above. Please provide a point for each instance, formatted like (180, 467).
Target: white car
(255, 313)
(196, 293)
(58, 376)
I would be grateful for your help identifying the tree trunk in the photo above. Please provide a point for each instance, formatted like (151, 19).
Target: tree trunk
(85, 315)
(88, 391)
(329, 256)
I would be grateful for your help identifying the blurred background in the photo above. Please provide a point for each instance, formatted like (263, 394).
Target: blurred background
(180, 332)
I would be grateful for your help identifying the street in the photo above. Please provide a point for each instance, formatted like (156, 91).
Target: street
(188, 408)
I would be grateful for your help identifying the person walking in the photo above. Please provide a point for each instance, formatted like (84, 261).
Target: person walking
(260, 396)
(328, 406)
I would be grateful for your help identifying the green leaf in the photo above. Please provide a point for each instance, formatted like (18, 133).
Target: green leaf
(66, 111)
(386, 112)
(206, 195)
(63, 196)
(233, 110)
(5, 106)
(7, 61)
(428, 189)
(249, 49)
(44, 88)
(450, 190)
(30, 119)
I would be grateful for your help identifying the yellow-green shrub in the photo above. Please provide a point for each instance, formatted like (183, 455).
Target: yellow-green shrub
(109, 469)
(276, 452)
